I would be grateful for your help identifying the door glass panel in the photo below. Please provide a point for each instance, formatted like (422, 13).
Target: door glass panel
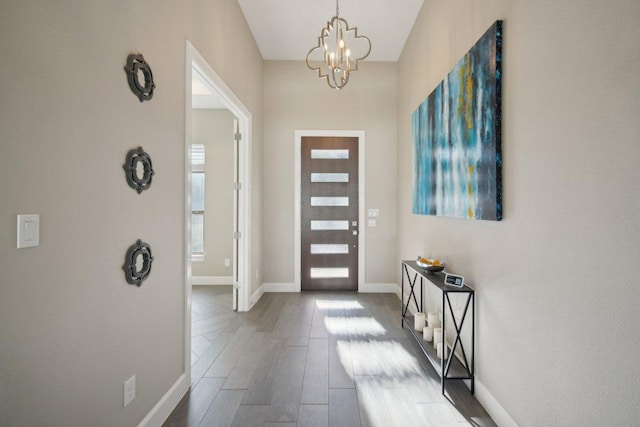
(329, 225)
(329, 201)
(329, 273)
(329, 154)
(329, 177)
(329, 249)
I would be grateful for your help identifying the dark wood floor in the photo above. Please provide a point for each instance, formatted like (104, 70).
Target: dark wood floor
(313, 359)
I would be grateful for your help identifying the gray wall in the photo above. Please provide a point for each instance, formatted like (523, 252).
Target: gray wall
(557, 279)
(296, 100)
(71, 329)
(214, 129)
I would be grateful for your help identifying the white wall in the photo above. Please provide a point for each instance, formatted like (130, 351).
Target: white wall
(557, 279)
(71, 329)
(214, 129)
(295, 99)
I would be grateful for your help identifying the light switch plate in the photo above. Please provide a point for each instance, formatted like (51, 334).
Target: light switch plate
(373, 213)
(28, 231)
(371, 222)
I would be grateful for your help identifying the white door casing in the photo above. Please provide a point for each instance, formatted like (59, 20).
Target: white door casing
(242, 261)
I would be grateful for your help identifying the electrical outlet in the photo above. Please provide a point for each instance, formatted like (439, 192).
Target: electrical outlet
(129, 390)
(227, 262)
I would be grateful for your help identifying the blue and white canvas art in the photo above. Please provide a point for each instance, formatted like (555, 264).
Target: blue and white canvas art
(457, 138)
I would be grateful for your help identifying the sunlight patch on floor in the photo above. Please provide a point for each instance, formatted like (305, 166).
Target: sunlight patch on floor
(338, 305)
(388, 360)
(358, 326)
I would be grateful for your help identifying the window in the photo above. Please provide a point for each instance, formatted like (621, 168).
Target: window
(197, 202)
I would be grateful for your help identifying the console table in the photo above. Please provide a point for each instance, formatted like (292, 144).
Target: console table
(451, 368)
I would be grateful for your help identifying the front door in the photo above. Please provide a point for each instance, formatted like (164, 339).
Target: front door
(329, 213)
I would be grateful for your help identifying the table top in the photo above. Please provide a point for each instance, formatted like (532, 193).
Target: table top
(436, 278)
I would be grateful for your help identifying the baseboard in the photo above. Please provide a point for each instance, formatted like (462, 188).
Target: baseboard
(211, 280)
(391, 288)
(399, 291)
(158, 415)
(255, 297)
(379, 288)
(280, 287)
(493, 407)
(412, 308)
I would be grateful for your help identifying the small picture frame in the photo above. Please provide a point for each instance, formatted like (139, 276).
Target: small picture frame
(454, 280)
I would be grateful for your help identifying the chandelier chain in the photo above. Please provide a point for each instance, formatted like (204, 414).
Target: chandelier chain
(337, 8)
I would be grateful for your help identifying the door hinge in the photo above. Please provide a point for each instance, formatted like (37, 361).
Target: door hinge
(237, 186)
(237, 235)
(237, 136)
(236, 285)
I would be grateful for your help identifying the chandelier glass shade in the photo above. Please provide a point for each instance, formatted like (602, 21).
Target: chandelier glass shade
(338, 51)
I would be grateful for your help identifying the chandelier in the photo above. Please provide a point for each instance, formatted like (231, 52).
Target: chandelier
(338, 51)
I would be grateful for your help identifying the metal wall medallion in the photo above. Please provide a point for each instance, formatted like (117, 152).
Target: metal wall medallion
(137, 263)
(138, 169)
(136, 65)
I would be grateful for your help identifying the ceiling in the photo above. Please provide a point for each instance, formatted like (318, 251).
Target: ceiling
(285, 30)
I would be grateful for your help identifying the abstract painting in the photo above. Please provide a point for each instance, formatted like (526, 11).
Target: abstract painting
(457, 138)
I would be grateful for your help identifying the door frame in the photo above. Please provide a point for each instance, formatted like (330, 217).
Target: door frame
(297, 234)
(242, 262)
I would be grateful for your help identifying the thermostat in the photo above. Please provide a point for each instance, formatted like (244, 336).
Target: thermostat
(454, 280)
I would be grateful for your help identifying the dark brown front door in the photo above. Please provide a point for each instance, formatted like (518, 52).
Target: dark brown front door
(329, 199)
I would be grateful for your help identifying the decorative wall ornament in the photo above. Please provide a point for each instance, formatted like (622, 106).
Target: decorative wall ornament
(457, 138)
(137, 263)
(138, 169)
(136, 65)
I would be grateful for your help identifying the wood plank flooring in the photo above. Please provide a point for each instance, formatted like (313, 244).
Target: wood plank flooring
(313, 359)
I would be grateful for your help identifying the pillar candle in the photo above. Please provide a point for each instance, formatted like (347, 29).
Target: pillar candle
(437, 336)
(419, 322)
(427, 334)
(433, 319)
(442, 350)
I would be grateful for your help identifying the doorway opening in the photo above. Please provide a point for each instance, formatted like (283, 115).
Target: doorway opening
(329, 236)
(217, 202)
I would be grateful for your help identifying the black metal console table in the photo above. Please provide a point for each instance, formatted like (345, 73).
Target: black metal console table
(450, 368)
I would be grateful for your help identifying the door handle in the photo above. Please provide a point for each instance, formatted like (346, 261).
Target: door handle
(355, 232)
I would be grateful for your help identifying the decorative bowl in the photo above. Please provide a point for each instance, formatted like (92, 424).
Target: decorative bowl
(434, 268)
(429, 267)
